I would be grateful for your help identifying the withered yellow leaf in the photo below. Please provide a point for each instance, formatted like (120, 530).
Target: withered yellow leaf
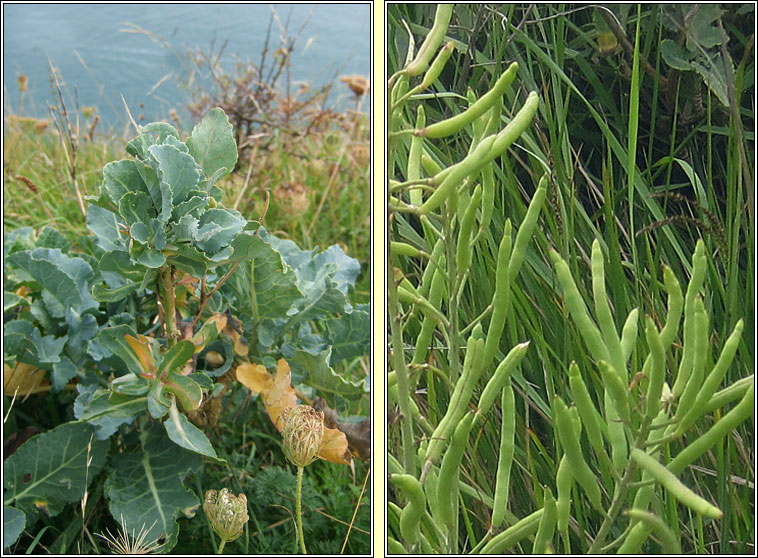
(254, 377)
(281, 395)
(27, 378)
(334, 447)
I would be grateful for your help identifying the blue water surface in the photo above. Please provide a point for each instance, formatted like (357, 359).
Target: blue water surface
(100, 50)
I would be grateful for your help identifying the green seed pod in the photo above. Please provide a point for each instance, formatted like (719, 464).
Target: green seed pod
(500, 378)
(427, 327)
(728, 394)
(414, 159)
(464, 387)
(629, 334)
(404, 249)
(675, 301)
(697, 369)
(526, 230)
(603, 312)
(582, 473)
(564, 481)
(586, 408)
(674, 486)
(432, 41)
(500, 298)
(657, 370)
(464, 249)
(435, 69)
(547, 525)
(516, 126)
(456, 174)
(713, 379)
(395, 547)
(411, 514)
(669, 543)
(447, 483)
(456, 123)
(514, 534)
(431, 167)
(505, 458)
(578, 310)
(699, 265)
(616, 389)
(723, 426)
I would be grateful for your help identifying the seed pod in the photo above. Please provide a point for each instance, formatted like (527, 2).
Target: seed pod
(302, 434)
(674, 486)
(573, 451)
(432, 41)
(226, 512)
(435, 69)
(456, 123)
(513, 534)
(505, 458)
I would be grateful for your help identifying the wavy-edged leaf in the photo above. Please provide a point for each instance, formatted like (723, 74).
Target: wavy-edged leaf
(217, 229)
(104, 225)
(14, 522)
(119, 178)
(317, 373)
(21, 339)
(114, 339)
(212, 143)
(105, 412)
(188, 259)
(146, 488)
(136, 207)
(185, 434)
(177, 169)
(59, 289)
(263, 284)
(51, 469)
(12, 300)
(164, 129)
(349, 335)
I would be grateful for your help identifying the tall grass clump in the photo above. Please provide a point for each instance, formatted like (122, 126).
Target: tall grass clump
(569, 371)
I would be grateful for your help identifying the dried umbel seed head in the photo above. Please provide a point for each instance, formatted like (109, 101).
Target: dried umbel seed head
(302, 433)
(357, 84)
(40, 126)
(22, 82)
(88, 111)
(226, 512)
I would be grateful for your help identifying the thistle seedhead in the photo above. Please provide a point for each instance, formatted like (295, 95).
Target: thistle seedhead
(226, 512)
(302, 434)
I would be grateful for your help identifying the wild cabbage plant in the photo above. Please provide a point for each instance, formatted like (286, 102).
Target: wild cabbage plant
(149, 327)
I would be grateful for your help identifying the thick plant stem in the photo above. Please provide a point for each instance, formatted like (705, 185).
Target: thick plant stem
(168, 299)
(221, 547)
(298, 510)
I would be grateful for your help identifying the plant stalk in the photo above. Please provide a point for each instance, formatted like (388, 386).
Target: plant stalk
(398, 363)
(298, 509)
(168, 298)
